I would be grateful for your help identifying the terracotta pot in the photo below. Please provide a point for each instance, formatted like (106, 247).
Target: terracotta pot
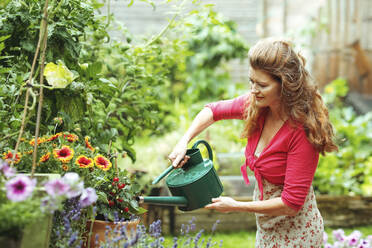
(99, 227)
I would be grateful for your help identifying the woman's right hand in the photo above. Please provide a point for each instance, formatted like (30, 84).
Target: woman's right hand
(177, 156)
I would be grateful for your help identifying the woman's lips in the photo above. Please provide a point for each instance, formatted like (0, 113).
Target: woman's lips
(259, 98)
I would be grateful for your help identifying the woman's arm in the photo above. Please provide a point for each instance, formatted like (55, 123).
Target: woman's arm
(274, 207)
(203, 120)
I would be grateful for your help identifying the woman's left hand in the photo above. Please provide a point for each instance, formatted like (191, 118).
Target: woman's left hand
(222, 204)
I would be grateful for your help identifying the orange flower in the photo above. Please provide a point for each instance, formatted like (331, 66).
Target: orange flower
(45, 157)
(39, 141)
(29, 152)
(88, 145)
(71, 137)
(102, 162)
(84, 162)
(53, 137)
(64, 154)
(9, 155)
(64, 167)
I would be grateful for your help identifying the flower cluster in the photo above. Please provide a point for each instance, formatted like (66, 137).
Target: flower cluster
(59, 153)
(153, 237)
(64, 153)
(20, 187)
(355, 239)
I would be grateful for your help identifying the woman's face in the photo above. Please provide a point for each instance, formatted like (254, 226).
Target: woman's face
(265, 88)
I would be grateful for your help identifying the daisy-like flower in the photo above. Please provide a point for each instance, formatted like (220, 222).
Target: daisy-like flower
(39, 141)
(84, 162)
(64, 167)
(102, 162)
(7, 156)
(71, 137)
(53, 137)
(65, 154)
(29, 152)
(45, 157)
(87, 144)
(20, 188)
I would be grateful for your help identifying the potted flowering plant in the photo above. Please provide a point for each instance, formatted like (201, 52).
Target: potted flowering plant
(65, 152)
(26, 202)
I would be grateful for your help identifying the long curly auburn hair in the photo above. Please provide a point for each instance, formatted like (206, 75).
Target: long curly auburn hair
(300, 97)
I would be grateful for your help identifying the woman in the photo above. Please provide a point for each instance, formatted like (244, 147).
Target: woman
(286, 126)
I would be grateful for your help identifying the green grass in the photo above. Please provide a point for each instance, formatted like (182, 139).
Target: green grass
(247, 239)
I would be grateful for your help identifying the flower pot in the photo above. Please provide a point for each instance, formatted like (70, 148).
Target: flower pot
(99, 227)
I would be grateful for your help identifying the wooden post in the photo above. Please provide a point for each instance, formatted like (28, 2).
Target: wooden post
(337, 40)
(264, 19)
(285, 13)
(329, 39)
(344, 58)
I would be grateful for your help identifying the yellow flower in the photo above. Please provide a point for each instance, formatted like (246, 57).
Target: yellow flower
(39, 141)
(71, 137)
(102, 162)
(88, 145)
(64, 167)
(84, 162)
(45, 157)
(53, 137)
(65, 154)
(7, 156)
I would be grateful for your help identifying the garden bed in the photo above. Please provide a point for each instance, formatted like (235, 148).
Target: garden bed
(337, 211)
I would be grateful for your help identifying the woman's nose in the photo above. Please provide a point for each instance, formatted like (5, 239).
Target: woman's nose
(254, 90)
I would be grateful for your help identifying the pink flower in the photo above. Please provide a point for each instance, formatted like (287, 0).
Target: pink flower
(354, 237)
(76, 186)
(325, 238)
(20, 188)
(339, 234)
(56, 187)
(88, 197)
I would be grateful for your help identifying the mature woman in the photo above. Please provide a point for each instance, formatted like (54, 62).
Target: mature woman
(286, 126)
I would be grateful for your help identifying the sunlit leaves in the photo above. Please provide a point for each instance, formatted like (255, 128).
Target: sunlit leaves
(58, 75)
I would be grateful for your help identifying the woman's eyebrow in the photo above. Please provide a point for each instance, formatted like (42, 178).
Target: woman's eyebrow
(256, 81)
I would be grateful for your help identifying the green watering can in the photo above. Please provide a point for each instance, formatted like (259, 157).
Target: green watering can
(193, 186)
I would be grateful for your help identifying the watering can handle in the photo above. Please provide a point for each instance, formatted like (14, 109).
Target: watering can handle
(210, 153)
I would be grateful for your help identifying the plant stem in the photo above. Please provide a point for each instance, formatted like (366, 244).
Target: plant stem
(28, 94)
(44, 30)
(165, 29)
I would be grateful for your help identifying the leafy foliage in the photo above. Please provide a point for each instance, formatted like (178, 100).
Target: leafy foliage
(349, 170)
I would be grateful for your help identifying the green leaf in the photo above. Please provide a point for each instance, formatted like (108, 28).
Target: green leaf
(58, 76)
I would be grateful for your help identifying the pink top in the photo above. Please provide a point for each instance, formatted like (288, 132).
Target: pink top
(289, 159)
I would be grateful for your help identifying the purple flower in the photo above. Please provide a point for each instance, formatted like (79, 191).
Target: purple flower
(88, 197)
(56, 187)
(364, 244)
(8, 171)
(354, 237)
(20, 188)
(338, 244)
(76, 186)
(326, 245)
(339, 234)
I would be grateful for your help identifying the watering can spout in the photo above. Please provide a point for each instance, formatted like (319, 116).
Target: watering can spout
(179, 201)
